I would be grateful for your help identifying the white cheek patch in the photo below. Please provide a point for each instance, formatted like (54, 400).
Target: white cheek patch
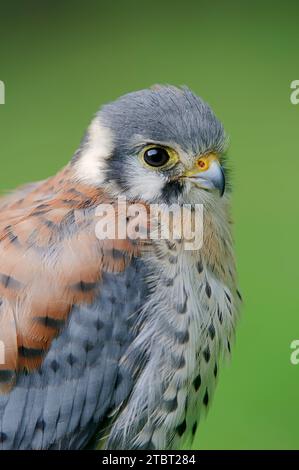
(143, 183)
(92, 162)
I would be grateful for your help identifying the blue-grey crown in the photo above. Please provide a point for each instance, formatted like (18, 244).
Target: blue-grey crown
(165, 114)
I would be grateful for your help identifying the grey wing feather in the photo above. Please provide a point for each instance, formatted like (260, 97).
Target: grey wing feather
(81, 381)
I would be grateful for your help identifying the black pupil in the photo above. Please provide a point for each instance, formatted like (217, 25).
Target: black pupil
(156, 157)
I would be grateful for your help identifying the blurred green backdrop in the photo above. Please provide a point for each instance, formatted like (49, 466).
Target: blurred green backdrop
(61, 60)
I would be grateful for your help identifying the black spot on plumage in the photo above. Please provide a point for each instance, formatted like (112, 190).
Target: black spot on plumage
(197, 382)
(42, 206)
(208, 290)
(228, 345)
(186, 405)
(84, 286)
(239, 295)
(181, 428)
(119, 380)
(219, 314)
(194, 428)
(9, 282)
(178, 362)
(13, 239)
(212, 331)
(6, 375)
(182, 308)
(99, 324)
(71, 359)
(39, 212)
(228, 297)
(116, 254)
(206, 398)
(181, 362)
(50, 322)
(3, 437)
(87, 203)
(182, 336)
(207, 354)
(170, 405)
(88, 346)
(215, 370)
(40, 425)
(54, 365)
(199, 267)
(58, 418)
(168, 282)
(170, 245)
(30, 353)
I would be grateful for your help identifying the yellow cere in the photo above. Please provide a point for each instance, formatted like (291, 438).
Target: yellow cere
(202, 164)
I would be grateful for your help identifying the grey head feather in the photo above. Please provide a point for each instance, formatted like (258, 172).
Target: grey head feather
(164, 114)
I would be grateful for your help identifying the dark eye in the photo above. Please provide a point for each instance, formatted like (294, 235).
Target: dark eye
(156, 156)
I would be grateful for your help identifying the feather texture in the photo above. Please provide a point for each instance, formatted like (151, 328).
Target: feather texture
(50, 260)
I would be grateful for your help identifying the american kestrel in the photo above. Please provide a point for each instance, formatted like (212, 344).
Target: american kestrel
(115, 343)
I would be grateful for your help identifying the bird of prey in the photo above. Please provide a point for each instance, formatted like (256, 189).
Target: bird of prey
(115, 343)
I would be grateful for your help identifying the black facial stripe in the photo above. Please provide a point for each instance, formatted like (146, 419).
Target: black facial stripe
(172, 190)
(116, 169)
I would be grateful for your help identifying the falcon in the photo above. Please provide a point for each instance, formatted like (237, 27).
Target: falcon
(115, 343)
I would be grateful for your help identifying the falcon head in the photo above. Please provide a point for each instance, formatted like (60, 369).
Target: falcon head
(158, 145)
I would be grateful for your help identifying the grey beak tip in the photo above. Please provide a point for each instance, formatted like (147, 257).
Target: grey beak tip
(222, 186)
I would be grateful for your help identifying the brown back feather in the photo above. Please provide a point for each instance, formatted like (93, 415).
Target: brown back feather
(50, 259)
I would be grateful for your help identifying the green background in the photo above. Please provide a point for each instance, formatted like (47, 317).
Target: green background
(61, 60)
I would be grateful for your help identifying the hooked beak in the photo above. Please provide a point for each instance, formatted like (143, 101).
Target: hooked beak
(208, 174)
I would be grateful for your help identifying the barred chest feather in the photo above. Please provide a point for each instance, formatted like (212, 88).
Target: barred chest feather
(185, 327)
